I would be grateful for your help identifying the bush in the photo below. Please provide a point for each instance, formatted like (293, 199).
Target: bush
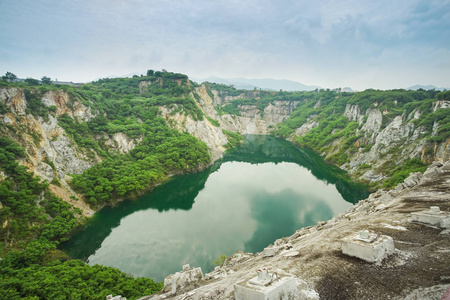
(234, 139)
(400, 173)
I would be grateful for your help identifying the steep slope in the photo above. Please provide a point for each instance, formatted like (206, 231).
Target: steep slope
(247, 117)
(33, 123)
(68, 131)
(95, 145)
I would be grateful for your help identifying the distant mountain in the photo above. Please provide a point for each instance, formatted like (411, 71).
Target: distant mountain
(426, 87)
(348, 89)
(265, 84)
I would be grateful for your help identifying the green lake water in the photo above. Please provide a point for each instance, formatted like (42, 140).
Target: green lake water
(264, 190)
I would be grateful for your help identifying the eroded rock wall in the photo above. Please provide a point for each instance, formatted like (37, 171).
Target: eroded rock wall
(204, 130)
(250, 119)
(383, 141)
(51, 154)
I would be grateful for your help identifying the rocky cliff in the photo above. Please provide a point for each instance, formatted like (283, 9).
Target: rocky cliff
(204, 130)
(397, 142)
(51, 154)
(384, 138)
(251, 120)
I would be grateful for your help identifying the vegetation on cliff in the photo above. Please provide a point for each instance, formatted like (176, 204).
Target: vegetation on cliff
(341, 137)
(129, 106)
(35, 221)
(333, 123)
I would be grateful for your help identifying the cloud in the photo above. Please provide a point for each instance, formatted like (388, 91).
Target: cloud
(324, 42)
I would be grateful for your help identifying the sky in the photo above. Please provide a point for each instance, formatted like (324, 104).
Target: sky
(361, 44)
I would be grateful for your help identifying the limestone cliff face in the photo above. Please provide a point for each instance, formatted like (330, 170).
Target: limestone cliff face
(120, 142)
(373, 123)
(441, 151)
(13, 98)
(396, 135)
(305, 128)
(222, 97)
(65, 104)
(353, 113)
(243, 125)
(203, 130)
(397, 142)
(51, 154)
(54, 156)
(278, 111)
(49, 142)
(251, 120)
(440, 104)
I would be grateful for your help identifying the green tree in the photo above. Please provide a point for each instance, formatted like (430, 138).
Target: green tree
(219, 261)
(10, 77)
(46, 80)
(31, 81)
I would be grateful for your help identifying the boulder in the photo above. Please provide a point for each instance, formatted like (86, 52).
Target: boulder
(413, 179)
(186, 280)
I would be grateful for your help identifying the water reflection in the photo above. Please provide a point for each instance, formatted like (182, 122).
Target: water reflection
(173, 195)
(262, 191)
(290, 212)
(261, 149)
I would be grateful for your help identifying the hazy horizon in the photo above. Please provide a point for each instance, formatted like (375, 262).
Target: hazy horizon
(357, 44)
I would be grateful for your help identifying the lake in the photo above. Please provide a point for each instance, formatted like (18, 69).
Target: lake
(264, 190)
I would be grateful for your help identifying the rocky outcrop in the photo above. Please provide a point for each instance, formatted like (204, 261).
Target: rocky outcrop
(440, 104)
(203, 130)
(50, 153)
(398, 134)
(250, 119)
(181, 281)
(121, 142)
(313, 254)
(244, 125)
(278, 111)
(374, 121)
(397, 142)
(143, 86)
(14, 98)
(49, 143)
(61, 150)
(205, 101)
(353, 113)
(221, 98)
(305, 128)
(66, 104)
(442, 151)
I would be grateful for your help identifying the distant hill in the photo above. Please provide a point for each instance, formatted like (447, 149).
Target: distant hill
(348, 89)
(426, 87)
(265, 84)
